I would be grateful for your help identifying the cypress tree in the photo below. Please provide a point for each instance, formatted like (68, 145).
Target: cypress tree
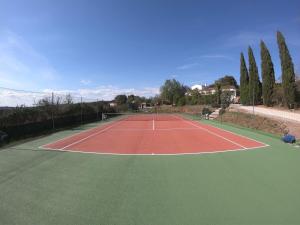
(254, 82)
(267, 73)
(288, 74)
(244, 82)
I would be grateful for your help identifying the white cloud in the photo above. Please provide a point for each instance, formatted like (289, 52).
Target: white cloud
(85, 82)
(21, 63)
(10, 97)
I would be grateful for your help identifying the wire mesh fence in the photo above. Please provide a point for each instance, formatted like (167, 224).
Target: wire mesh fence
(27, 113)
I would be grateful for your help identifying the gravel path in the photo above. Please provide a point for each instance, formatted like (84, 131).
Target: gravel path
(270, 112)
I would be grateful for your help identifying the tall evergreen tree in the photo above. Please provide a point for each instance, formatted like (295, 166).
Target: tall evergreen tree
(244, 82)
(254, 82)
(218, 92)
(267, 73)
(288, 73)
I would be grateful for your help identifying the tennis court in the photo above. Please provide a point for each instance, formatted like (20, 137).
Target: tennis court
(150, 134)
(260, 186)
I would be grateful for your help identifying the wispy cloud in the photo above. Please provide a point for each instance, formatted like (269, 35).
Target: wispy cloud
(247, 38)
(188, 66)
(216, 56)
(21, 65)
(10, 97)
(196, 60)
(85, 82)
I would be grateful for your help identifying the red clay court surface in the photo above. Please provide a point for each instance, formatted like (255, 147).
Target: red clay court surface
(148, 135)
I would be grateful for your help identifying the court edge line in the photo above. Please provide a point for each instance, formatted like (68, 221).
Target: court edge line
(221, 129)
(92, 135)
(151, 154)
(231, 132)
(213, 133)
(81, 132)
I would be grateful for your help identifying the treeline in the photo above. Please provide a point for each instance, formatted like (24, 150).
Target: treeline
(49, 114)
(172, 92)
(131, 102)
(269, 92)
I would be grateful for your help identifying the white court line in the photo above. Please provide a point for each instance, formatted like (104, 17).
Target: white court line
(233, 133)
(150, 154)
(82, 132)
(153, 125)
(92, 135)
(213, 133)
(240, 135)
(157, 129)
(264, 144)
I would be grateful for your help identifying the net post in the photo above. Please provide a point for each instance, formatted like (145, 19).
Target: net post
(103, 116)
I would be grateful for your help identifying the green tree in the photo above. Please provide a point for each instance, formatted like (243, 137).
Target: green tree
(227, 80)
(287, 70)
(278, 96)
(121, 99)
(244, 82)
(254, 82)
(131, 98)
(193, 97)
(225, 99)
(268, 77)
(181, 101)
(172, 90)
(218, 92)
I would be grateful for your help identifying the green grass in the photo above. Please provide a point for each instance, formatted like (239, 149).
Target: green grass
(258, 186)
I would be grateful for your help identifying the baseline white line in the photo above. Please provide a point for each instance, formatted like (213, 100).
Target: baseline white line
(152, 154)
(92, 135)
(159, 129)
(213, 133)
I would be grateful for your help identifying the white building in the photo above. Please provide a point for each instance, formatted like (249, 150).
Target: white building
(197, 86)
(209, 90)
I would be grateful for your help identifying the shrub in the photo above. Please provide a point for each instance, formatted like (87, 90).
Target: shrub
(206, 111)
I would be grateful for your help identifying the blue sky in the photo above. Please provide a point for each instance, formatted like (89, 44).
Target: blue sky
(106, 47)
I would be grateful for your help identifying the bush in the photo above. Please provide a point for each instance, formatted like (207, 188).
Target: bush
(206, 111)
(181, 101)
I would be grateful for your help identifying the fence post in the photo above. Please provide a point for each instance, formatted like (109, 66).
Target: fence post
(97, 106)
(81, 116)
(52, 111)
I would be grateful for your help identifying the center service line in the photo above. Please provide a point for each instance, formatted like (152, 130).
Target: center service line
(153, 125)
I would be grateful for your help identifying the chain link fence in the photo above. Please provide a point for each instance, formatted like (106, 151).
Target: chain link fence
(27, 113)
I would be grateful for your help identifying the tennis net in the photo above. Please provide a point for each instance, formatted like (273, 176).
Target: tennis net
(141, 117)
